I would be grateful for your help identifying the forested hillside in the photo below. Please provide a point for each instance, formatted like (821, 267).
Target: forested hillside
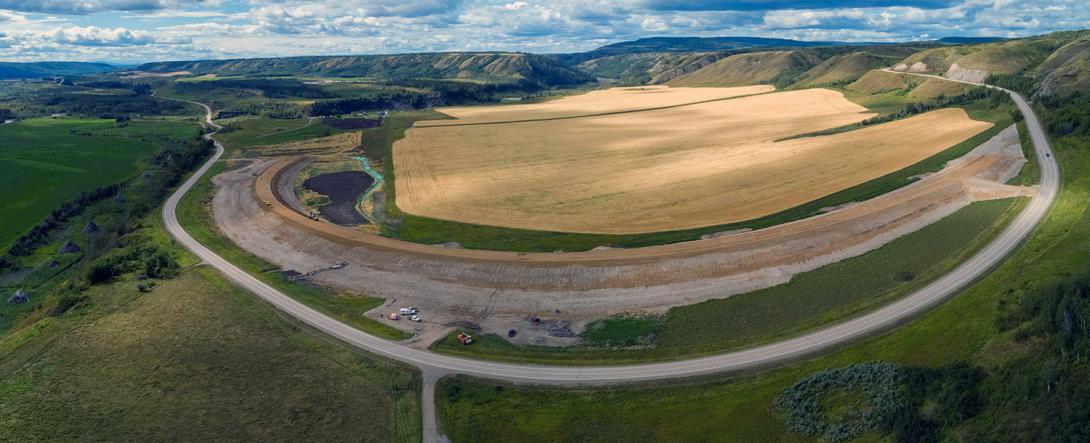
(9, 70)
(500, 67)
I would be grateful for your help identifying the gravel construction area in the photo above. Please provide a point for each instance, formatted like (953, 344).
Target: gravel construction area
(498, 290)
(343, 190)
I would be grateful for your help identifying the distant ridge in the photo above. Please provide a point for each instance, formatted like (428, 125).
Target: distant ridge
(688, 44)
(13, 70)
(502, 67)
(968, 40)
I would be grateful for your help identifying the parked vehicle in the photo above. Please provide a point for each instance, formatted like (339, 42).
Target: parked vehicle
(464, 339)
(415, 318)
(409, 311)
(393, 316)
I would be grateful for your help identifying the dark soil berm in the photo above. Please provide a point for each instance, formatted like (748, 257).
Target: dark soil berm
(342, 188)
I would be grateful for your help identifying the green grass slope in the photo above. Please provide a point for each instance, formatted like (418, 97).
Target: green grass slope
(195, 359)
(843, 68)
(750, 69)
(44, 163)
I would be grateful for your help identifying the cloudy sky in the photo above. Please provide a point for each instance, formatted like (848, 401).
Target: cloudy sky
(129, 31)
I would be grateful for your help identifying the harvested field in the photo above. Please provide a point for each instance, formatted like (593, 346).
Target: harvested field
(683, 167)
(343, 189)
(594, 102)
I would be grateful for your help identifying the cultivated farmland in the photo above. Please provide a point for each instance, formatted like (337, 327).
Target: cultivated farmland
(592, 103)
(709, 163)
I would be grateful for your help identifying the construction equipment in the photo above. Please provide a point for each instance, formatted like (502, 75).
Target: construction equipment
(464, 339)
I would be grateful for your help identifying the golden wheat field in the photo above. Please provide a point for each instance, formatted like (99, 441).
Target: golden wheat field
(594, 102)
(682, 167)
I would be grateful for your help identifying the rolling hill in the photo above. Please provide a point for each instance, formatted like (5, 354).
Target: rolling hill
(1066, 70)
(648, 67)
(976, 62)
(501, 67)
(11, 70)
(751, 69)
(686, 44)
(843, 68)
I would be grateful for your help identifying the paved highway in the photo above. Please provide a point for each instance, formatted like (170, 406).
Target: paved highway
(810, 343)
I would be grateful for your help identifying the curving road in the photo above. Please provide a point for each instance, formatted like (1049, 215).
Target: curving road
(431, 363)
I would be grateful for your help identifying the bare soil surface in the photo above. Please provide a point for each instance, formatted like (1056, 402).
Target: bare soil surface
(499, 290)
(344, 190)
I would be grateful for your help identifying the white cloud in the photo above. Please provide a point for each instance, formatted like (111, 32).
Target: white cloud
(180, 29)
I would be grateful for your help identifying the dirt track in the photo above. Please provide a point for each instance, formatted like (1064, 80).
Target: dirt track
(497, 289)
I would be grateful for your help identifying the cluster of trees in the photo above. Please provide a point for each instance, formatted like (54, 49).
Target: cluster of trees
(272, 88)
(26, 244)
(385, 100)
(139, 255)
(1018, 82)
(875, 391)
(1067, 115)
(6, 114)
(994, 97)
(911, 404)
(268, 109)
(461, 92)
(111, 106)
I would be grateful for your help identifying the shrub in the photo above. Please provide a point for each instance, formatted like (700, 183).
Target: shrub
(880, 390)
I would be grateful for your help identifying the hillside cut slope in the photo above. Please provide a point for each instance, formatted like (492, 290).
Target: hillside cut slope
(503, 67)
(975, 62)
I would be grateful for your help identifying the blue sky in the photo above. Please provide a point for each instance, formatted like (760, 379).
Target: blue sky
(130, 31)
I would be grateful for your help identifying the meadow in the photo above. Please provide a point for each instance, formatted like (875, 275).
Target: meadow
(247, 132)
(46, 162)
(196, 358)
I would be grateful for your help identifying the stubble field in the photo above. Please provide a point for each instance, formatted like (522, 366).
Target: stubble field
(708, 163)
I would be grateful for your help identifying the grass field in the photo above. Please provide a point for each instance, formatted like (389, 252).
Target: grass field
(194, 213)
(269, 131)
(810, 300)
(660, 170)
(44, 163)
(738, 408)
(199, 359)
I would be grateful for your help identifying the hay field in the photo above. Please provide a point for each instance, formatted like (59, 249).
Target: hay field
(684, 167)
(594, 102)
